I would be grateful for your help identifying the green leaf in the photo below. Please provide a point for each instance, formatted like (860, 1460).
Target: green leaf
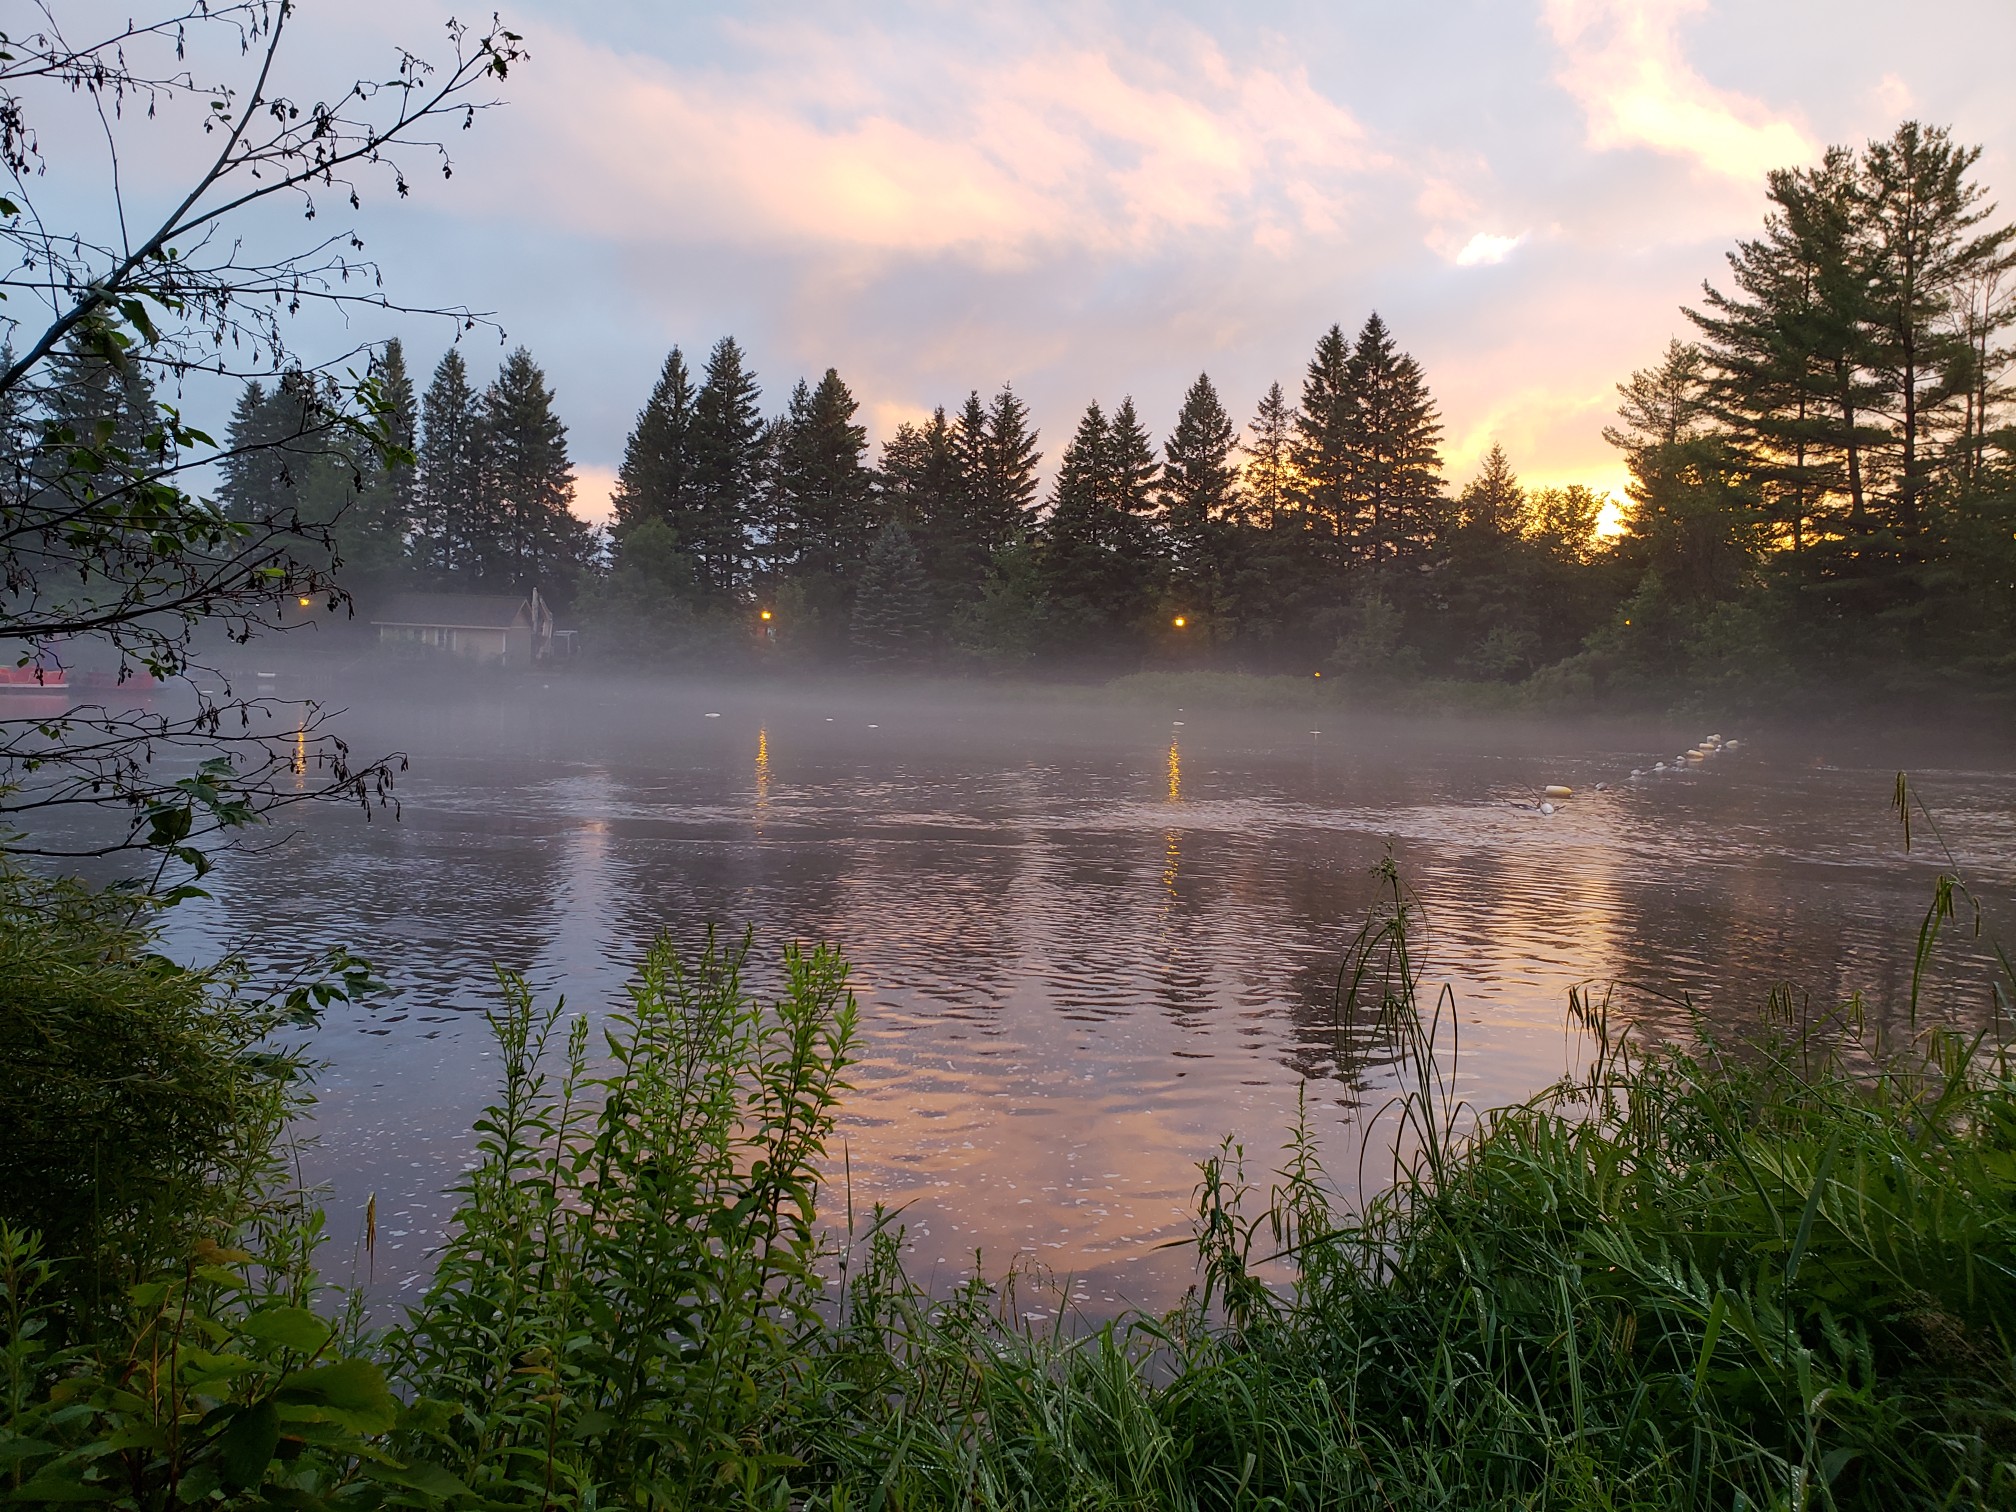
(249, 1442)
(48, 1488)
(428, 1479)
(354, 1388)
(289, 1327)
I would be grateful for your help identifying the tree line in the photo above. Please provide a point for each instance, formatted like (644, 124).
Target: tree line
(471, 489)
(1821, 488)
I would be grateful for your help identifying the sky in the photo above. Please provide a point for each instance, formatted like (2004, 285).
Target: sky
(1092, 200)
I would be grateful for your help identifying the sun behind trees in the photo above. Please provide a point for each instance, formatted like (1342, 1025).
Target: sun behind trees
(1822, 496)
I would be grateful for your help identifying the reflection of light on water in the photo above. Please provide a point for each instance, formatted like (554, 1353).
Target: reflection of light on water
(1172, 859)
(762, 767)
(1175, 771)
(299, 764)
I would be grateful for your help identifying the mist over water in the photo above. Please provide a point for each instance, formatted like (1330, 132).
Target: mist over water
(1088, 940)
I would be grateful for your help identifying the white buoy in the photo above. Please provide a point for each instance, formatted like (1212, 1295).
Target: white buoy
(1731, 745)
(1602, 787)
(1637, 772)
(1546, 808)
(874, 727)
(713, 716)
(1176, 724)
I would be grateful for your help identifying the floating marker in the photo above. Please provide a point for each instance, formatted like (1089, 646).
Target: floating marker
(713, 716)
(1546, 808)
(1556, 790)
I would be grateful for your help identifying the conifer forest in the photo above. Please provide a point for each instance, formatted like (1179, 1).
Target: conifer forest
(1821, 494)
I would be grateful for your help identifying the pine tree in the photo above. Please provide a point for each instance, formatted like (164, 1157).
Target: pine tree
(451, 508)
(727, 452)
(1494, 503)
(1269, 482)
(1395, 474)
(1787, 355)
(530, 485)
(1197, 495)
(891, 620)
(1922, 215)
(1692, 527)
(655, 479)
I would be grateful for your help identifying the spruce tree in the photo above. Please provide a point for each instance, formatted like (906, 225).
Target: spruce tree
(828, 491)
(1096, 561)
(727, 460)
(373, 532)
(1322, 453)
(1074, 544)
(451, 510)
(655, 479)
(253, 471)
(1395, 458)
(1197, 493)
(1270, 484)
(530, 485)
(287, 460)
(1788, 354)
(891, 625)
(1007, 494)
(926, 483)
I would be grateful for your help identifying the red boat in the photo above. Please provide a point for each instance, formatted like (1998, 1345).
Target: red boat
(34, 678)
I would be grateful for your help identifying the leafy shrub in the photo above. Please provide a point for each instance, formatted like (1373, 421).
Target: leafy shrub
(140, 1102)
(626, 1310)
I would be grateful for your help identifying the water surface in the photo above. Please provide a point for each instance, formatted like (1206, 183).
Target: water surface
(1088, 941)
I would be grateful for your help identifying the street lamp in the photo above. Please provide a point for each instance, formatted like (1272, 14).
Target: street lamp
(766, 614)
(1179, 622)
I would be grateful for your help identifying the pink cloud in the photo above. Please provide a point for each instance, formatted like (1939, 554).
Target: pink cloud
(1075, 143)
(1623, 62)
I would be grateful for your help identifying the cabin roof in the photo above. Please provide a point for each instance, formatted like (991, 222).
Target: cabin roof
(456, 611)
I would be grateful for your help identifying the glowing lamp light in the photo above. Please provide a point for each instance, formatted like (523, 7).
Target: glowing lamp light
(1315, 674)
(1179, 622)
(305, 602)
(766, 614)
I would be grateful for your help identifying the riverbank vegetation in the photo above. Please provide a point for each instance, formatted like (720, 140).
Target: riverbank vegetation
(1771, 1273)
